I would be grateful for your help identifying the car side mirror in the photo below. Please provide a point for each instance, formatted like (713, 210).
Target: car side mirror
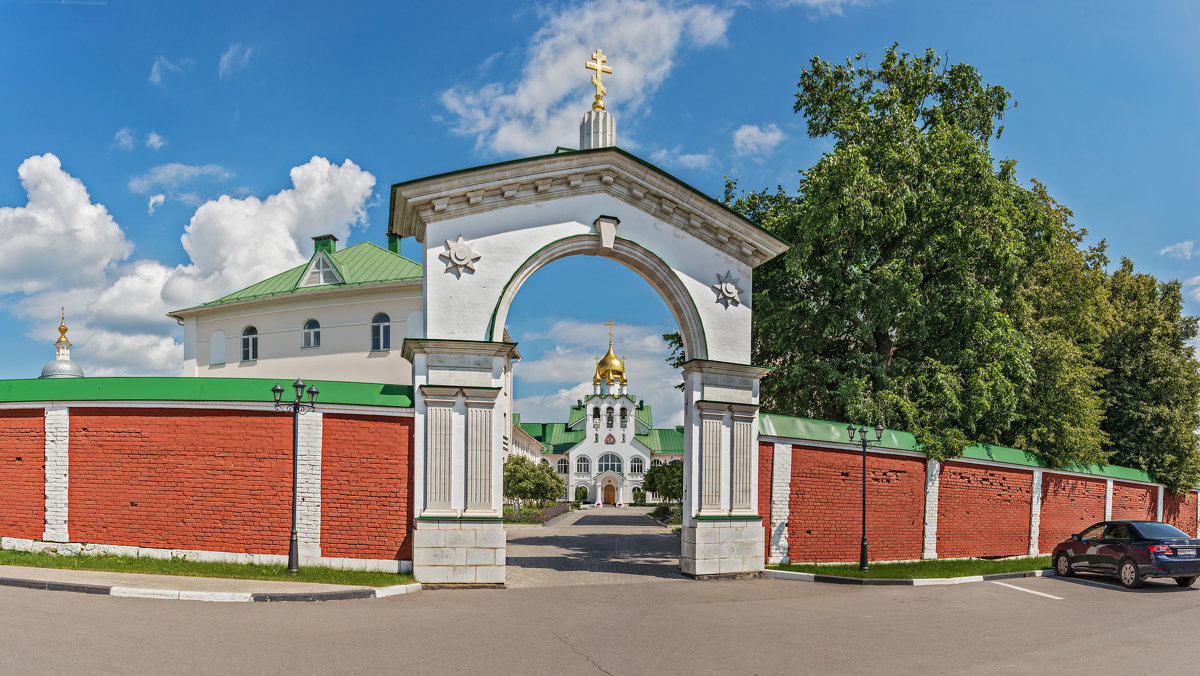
(1075, 537)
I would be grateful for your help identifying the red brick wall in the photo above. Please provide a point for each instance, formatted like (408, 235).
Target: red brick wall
(825, 505)
(983, 511)
(1134, 501)
(1069, 504)
(1180, 511)
(366, 471)
(766, 455)
(22, 473)
(187, 479)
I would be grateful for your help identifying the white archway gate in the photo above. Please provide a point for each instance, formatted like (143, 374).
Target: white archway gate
(488, 229)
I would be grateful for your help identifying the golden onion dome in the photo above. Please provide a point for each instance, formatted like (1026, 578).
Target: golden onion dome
(610, 368)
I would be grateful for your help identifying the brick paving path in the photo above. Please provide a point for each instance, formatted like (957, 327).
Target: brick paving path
(607, 545)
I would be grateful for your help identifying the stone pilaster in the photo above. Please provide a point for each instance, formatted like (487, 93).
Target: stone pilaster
(1160, 503)
(1108, 492)
(57, 428)
(308, 485)
(1035, 512)
(781, 493)
(933, 473)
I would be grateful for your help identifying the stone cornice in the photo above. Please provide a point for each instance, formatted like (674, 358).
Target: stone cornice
(414, 346)
(609, 171)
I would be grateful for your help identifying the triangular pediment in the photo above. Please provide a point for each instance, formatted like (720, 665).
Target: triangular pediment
(610, 171)
(320, 272)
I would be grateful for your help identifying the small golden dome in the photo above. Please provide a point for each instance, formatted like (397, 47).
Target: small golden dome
(610, 368)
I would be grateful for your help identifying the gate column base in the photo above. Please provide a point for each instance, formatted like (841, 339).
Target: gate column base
(722, 547)
(459, 552)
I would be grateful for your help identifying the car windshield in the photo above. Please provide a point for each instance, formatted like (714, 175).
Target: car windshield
(1153, 530)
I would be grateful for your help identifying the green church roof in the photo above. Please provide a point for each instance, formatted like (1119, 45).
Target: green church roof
(662, 441)
(359, 265)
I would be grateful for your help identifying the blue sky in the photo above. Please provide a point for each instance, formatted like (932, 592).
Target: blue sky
(154, 155)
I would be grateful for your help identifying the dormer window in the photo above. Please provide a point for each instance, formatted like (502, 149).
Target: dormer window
(320, 272)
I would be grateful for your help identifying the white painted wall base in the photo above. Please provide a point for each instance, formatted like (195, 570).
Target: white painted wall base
(722, 547)
(459, 552)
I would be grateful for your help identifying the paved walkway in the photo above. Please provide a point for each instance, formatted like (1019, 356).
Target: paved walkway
(606, 545)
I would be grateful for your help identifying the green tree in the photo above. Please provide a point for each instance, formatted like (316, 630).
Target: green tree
(529, 481)
(1152, 386)
(907, 239)
(666, 480)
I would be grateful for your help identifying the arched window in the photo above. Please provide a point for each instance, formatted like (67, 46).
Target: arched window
(216, 347)
(583, 465)
(564, 466)
(311, 335)
(381, 332)
(596, 417)
(610, 461)
(545, 462)
(624, 418)
(637, 466)
(656, 463)
(249, 344)
(609, 416)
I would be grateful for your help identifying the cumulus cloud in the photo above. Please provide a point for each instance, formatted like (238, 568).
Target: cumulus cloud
(155, 202)
(174, 174)
(63, 250)
(541, 109)
(123, 139)
(161, 67)
(565, 369)
(1192, 287)
(234, 59)
(751, 139)
(153, 140)
(1182, 250)
(677, 158)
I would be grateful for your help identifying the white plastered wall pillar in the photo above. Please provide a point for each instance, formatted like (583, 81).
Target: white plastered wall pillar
(57, 429)
(459, 436)
(722, 530)
(781, 495)
(308, 486)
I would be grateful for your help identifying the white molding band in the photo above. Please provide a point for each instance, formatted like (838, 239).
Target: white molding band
(1035, 512)
(781, 493)
(933, 471)
(57, 431)
(308, 484)
(1108, 493)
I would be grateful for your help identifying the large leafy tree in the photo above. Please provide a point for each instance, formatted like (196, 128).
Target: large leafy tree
(1152, 385)
(526, 481)
(907, 240)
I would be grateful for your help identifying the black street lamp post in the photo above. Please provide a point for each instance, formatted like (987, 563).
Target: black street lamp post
(297, 407)
(862, 433)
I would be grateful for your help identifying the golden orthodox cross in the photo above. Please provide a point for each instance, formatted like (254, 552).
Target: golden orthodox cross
(610, 324)
(597, 64)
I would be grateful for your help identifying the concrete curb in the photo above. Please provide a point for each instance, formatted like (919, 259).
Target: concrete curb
(216, 597)
(918, 582)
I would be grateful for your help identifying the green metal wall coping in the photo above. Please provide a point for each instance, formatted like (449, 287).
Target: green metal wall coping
(788, 427)
(197, 389)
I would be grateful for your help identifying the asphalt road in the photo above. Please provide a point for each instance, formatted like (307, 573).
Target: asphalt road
(746, 626)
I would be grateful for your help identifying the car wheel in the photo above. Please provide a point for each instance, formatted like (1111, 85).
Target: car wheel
(1062, 566)
(1127, 571)
(1185, 581)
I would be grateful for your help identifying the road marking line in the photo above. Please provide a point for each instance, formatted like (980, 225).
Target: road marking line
(1028, 591)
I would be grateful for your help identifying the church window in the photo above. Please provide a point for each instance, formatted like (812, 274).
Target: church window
(610, 417)
(216, 348)
(545, 462)
(597, 439)
(311, 336)
(609, 439)
(610, 462)
(321, 271)
(656, 463)
(249, 344)
(596, 417)
(624, 418)
(583, 465)
(381, 332)
(637, 466)
(564, 466)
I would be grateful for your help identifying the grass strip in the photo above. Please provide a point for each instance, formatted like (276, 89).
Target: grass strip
(922, 569)
(241, 571)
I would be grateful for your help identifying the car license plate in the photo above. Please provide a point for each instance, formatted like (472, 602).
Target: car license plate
(1185, 551)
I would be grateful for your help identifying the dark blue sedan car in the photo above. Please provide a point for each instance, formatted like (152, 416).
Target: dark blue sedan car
(1132, 551)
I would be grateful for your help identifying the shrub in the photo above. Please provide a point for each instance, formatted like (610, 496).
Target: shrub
(639, 497)
(581, 493)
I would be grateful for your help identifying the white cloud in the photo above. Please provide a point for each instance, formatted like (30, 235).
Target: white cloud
(124, 138)
(155, 202)
(750, 139)
(162, 66)
(568, 365)
(1182, 249)
(825, 7)
(155, 141)
(1193, 288)
(62, 250)
(59, 238)
(542, 108)
(677, 158)
(174, 174)
(234, 59)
